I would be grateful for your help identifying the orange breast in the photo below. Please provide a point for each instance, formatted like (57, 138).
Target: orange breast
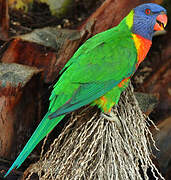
(142, 45)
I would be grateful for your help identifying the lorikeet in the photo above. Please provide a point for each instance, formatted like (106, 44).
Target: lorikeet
(100, 70)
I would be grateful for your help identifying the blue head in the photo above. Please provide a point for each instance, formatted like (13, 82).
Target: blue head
(147, 19)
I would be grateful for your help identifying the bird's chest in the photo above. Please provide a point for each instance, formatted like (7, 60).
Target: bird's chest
(142, 45)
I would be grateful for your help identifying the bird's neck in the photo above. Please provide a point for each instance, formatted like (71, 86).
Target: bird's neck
(142, 45)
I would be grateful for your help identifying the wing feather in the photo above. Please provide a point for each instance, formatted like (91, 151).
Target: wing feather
(84, 95)
(92, 72)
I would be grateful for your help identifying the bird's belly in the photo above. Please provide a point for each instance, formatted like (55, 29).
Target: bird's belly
(108, 100)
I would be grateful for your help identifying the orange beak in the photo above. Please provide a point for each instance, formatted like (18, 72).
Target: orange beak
(161, 22)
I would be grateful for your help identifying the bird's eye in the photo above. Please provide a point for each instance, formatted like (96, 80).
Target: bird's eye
(148, 11)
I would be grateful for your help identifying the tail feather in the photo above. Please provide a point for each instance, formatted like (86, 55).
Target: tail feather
(42, 130)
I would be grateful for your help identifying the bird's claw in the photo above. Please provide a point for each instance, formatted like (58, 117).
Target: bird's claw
(109, 116)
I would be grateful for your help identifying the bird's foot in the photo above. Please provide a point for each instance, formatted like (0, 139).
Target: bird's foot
(109, 116)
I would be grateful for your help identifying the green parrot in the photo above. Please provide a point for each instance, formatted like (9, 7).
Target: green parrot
(100, 70)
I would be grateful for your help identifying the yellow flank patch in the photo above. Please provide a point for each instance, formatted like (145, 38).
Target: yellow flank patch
(129, 19)
(104, 104)
(104, 100)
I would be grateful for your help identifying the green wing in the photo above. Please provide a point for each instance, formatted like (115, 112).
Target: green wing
(98, 66)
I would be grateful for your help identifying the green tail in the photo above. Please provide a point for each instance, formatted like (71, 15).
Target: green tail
(42, 130)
